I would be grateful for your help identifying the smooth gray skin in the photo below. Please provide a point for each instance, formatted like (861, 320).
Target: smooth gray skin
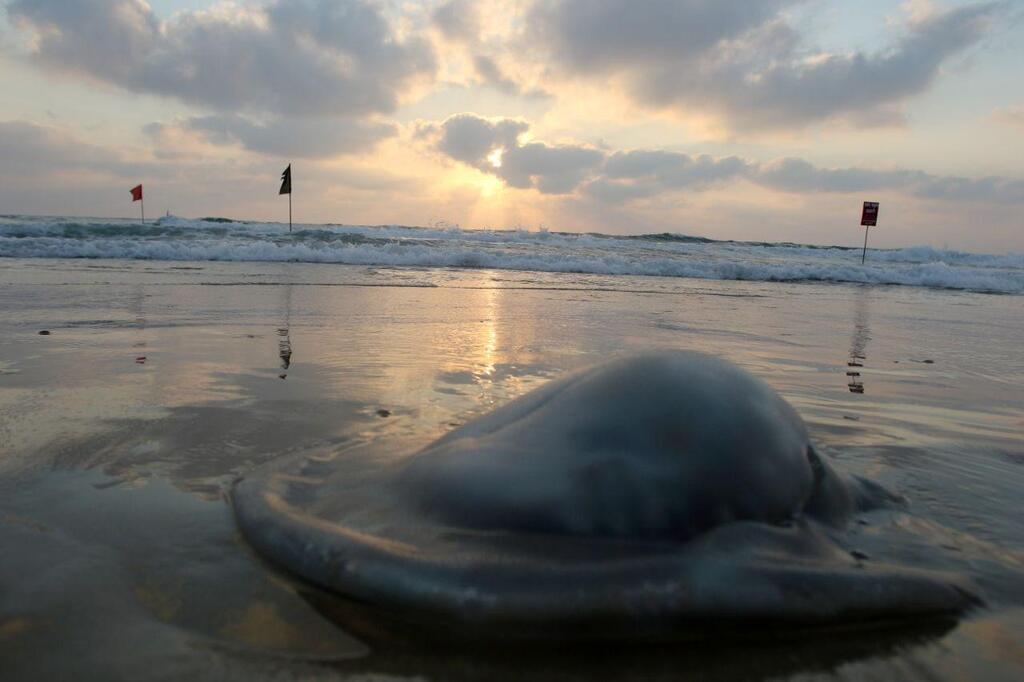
(651, 497)
(657, 446)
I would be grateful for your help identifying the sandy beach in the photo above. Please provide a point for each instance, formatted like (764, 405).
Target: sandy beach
(160, 383)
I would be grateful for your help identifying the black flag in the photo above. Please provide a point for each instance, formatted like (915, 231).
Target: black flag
(286, 180)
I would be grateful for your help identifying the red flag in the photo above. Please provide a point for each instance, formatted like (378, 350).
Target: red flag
(136, 193)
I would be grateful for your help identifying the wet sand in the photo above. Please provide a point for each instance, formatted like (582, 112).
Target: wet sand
(159, 384)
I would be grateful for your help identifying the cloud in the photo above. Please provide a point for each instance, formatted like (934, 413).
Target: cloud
(461, 25)
(800, 176)
(600, 36)
(989, 190)
(491, 75)
(302, 138)
(30, 147)
(640, 173)
(495, 147)
(801, 92)
(470, 139)
(457, 20)
(550, 169)
(41, 153)
(743, 62)
(306, 57)
(46, 166)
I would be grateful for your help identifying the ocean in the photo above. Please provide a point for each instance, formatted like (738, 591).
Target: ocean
(183, 354)
(655, 255)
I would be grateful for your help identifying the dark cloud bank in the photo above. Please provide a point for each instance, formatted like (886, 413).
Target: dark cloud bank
(307, 138)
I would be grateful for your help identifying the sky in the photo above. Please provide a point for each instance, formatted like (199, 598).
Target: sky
(769, 120)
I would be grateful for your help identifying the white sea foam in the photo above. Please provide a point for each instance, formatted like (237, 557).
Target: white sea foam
(176, 239)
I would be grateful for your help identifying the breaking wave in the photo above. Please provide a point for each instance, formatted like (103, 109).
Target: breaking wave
(661, 255)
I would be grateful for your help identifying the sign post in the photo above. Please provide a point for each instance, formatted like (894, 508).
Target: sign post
(868, 218)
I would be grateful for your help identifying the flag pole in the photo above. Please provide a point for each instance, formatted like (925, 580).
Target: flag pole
(864, 253)
(289, 212)
(142, 202)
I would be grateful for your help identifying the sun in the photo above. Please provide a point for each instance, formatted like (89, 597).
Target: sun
(489, 186)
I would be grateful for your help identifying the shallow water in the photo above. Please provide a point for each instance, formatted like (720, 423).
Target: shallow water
(161, 382)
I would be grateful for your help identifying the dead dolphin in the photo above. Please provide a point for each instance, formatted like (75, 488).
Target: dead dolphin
(650, 497)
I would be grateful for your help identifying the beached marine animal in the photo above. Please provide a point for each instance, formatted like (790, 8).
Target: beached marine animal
(651, 497)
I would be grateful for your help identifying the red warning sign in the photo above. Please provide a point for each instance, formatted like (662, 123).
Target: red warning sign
(869, 216)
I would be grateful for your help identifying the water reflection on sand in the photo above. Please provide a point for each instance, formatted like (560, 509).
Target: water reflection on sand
(284, 343)
(859, 341)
